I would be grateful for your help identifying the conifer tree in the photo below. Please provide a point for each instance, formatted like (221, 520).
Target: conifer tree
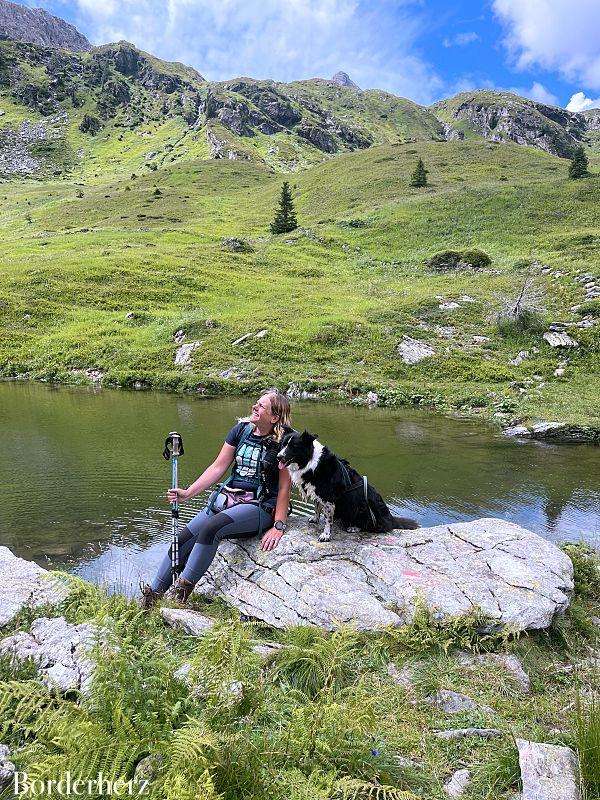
(578, 168)
(419, 176)
(285, 218)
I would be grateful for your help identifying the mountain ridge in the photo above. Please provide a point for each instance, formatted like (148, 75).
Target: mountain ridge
(38, 26)
(49, 97)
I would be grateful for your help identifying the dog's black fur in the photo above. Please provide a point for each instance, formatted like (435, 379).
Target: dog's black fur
(319, 474)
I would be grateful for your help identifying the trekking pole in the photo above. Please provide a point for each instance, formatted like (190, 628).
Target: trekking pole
(174, 449)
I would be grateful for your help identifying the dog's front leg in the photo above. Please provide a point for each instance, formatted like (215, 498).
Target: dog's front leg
(316, 517)
(328, 509)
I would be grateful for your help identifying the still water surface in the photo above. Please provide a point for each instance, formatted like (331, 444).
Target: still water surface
(83, 478)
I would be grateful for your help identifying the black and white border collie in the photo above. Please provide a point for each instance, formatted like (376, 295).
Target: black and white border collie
(336, 488)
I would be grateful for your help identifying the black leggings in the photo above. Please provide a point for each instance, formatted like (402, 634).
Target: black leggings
(199, 540)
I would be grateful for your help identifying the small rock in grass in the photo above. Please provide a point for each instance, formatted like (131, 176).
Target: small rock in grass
(481, 339)
(457, 785)
(191, 622)
(448, 306)
(511, 663)
(413, 350)
(556, 339)
(183, 356)
(455, 703)
(463, 733)
(548, 772)
(242, 339)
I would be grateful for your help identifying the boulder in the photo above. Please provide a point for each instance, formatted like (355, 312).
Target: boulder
(548, 771)
(24, 583)
(59, 649)
(513, 575)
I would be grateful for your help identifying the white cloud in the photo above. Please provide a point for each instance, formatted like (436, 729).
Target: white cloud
(554, 34)
(461, 39)
(284, 40)
(539, 93)
(579, 102)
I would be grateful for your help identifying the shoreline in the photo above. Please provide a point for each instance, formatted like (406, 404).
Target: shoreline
(511, 425)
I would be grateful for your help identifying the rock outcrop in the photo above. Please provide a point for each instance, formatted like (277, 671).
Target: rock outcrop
(59, 650)
(37, 26)
(25, 584)
(343, 79)
(503, 116)
(510, 573)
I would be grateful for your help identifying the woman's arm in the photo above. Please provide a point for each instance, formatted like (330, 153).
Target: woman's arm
(272, 536)
(283, 495)
(211, 475)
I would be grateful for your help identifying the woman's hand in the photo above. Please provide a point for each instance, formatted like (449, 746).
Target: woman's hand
(177, 495)
(270, 539)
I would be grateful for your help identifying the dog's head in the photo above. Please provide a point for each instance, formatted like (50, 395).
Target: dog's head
(297, 449)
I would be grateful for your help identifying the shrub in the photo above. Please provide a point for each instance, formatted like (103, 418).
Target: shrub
(586, 566)
(90, 124)
(446, 260)
(525, 321)
(591, 309)
(477, 259)
(459, 259)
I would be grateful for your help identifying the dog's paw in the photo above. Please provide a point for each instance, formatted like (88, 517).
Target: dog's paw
(325, 537)
(353, 529)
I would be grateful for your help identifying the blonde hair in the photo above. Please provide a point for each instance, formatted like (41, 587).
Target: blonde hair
(280, 406)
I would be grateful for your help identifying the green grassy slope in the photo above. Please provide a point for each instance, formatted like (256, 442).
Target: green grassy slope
(336, 299)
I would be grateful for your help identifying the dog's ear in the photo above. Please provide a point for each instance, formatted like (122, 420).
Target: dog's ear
(307, 436)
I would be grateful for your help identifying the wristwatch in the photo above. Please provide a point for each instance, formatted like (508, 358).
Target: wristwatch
(280, 526)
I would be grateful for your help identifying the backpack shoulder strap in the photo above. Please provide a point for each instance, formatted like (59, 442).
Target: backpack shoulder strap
(245, 434)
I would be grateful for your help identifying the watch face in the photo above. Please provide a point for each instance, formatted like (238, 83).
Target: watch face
(279, 526)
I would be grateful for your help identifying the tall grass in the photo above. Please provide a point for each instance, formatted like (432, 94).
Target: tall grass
(587, 737)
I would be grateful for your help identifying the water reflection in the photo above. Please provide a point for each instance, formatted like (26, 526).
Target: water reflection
(84, 480)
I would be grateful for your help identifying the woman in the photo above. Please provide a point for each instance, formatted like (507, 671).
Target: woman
(252, 445)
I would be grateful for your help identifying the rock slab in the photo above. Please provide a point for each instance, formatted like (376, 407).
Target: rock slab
(515, 576)
(24, 583)
(548, 771)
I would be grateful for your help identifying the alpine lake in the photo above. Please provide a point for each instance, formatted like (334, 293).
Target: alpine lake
(84, 480)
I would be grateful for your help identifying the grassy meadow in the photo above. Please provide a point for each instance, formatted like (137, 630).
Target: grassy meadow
(98, 270)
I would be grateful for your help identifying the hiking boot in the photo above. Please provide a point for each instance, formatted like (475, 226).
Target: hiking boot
(182, 590)
(149, 597)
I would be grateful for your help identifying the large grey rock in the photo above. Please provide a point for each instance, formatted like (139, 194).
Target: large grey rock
(557, 339)
(24, 583)
(548, 771)
(59, 649)
(512, 574)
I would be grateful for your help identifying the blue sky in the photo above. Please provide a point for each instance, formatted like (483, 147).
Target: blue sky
(422, 49)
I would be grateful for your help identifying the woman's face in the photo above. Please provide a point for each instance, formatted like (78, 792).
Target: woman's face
(261, 411)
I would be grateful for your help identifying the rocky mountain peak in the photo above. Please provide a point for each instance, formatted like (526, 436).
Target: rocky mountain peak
(343, 79)
(36, 26)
